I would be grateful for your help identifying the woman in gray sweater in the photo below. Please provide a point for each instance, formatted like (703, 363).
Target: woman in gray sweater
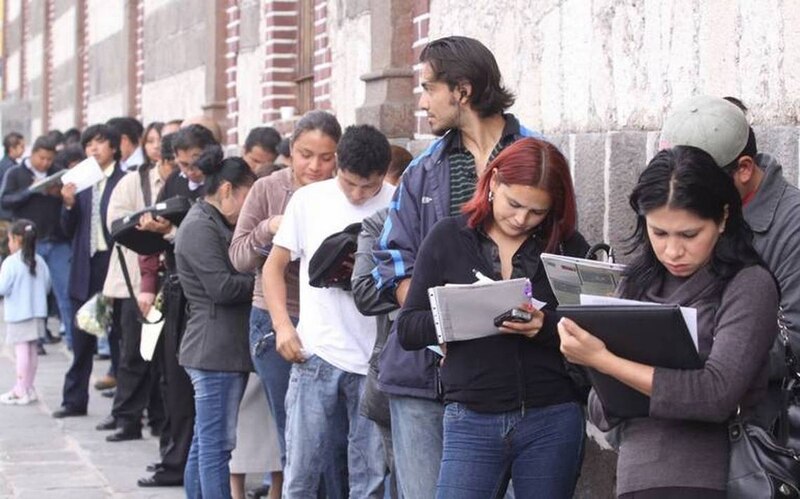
(694, 250)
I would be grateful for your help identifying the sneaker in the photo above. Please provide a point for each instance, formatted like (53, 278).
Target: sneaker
(32, 395)
(11, 398)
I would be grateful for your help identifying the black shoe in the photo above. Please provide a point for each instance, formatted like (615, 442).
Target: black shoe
(40, 349)
(101, 356)
(109, 394)
(258, 492)
(124, 435)
(156, 481)
(66, 412)
(49, 338)
(108, 423)
(153, 467)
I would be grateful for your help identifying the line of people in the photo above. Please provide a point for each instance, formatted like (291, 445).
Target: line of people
(367, 407)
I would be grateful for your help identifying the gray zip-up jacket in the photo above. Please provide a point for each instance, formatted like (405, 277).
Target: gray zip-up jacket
(774, 216)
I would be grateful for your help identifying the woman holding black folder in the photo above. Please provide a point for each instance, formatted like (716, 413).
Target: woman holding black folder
(695, 250)
(512, 410)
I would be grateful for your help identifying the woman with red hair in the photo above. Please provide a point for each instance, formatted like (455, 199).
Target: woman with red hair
(512, 410)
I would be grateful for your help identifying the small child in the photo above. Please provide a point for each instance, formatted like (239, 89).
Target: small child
(24, 282)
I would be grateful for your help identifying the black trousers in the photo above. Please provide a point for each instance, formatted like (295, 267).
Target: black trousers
(179, 393)
(75, 394)
(133, 372)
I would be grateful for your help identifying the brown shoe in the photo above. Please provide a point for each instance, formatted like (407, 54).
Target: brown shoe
(105, 383)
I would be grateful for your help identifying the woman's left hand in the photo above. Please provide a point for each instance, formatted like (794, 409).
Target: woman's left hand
(528, 329)
(578, 345)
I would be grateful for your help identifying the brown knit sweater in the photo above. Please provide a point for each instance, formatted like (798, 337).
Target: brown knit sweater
(267, 198)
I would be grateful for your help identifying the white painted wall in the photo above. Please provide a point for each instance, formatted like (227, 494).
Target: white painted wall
(14, 9)
(106, 18)
(63, 119)
(350, 54)
(35, 57)
(12, 71)
(592, 65)
(250, 67)
(64, 37)
(178, 96)
(104, 107)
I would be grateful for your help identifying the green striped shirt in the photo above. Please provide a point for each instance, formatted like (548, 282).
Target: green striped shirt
(463, 178)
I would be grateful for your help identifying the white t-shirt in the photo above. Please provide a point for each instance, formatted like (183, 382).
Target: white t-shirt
(330, 325)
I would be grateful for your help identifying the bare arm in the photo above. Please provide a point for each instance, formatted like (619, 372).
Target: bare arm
(287, 341)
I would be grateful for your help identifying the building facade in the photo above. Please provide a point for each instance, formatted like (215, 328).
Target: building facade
(596, 77)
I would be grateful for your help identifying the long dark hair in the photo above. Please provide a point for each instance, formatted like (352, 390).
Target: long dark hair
(688, 178)
(27, 231)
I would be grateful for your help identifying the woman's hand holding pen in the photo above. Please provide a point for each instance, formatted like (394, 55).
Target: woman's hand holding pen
(528, 329)
(579, 346)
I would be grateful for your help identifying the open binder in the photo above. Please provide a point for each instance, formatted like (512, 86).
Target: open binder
(655, 335)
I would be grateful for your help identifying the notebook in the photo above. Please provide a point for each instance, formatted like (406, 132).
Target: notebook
(466, 311)
(656, 335)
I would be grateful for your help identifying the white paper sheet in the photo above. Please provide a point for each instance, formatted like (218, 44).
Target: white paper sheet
(689, 314)
(84, 175)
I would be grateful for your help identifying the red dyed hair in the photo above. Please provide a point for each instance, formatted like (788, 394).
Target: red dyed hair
(535, 163)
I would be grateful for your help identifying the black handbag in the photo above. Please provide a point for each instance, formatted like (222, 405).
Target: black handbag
(762, 466)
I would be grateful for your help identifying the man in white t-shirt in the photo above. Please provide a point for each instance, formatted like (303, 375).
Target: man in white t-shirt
(331, 346)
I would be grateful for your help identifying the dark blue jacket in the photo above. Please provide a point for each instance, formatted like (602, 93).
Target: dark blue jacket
(76, 223)
(421, 200)
(6, 164)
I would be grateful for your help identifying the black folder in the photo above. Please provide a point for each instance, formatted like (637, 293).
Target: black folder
(655, 335)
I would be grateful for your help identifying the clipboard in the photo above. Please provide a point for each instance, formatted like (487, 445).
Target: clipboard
(655, 335)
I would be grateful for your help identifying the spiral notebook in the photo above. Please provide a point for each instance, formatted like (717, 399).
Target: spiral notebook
(466, 311)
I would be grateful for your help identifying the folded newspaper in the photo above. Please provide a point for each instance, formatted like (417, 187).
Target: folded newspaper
(571, 277)
(467, 311)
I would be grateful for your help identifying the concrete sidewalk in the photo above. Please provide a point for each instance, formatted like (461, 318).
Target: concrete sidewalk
(42, 457)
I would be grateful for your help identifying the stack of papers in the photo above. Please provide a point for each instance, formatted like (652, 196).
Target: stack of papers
(466, 311)
(47, 182)
(84, 175)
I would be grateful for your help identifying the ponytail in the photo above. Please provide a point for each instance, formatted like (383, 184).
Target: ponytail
(27, 231)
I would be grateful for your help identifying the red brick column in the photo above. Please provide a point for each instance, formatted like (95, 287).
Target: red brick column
(322, 56)
(137, 58)
(47, 73)
(421, 23)
(23, 50)
(5, 50)
(82, 82)
(231, 54)
(280, 61)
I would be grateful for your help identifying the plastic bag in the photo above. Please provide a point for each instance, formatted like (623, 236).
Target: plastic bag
(94, 316)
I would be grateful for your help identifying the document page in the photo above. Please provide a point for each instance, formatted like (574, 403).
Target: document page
(84, 175)
(466, 312)
(570, 277)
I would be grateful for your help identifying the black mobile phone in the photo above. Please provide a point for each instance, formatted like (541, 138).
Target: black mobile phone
(513, 315)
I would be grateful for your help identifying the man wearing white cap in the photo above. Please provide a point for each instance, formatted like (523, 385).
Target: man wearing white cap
(770, 204)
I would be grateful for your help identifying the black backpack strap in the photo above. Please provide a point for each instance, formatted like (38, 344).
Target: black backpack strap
(127, 276)
(144, 181)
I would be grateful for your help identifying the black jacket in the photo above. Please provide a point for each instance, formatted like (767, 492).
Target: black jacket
(498, 373)
(41, 209)
(216, 336)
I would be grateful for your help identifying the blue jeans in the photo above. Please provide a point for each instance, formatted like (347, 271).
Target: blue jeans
(317, 392)
(272, 369)
(417, 444)
(216, 401)
(540, 449)
(58, 256)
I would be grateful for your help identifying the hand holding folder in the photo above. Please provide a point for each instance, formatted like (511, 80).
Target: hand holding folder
(650, 334)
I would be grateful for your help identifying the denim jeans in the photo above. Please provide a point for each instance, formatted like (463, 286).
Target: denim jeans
(216, 401)
(272, 369)
(58, 256)
(417, 444)
(540, 449)
(317, 392)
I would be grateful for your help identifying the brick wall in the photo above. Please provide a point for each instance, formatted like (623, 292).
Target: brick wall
(322, 57)
(421, 22)
(231, 53)
(82, 109)
(47, 99)
(280, 59)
